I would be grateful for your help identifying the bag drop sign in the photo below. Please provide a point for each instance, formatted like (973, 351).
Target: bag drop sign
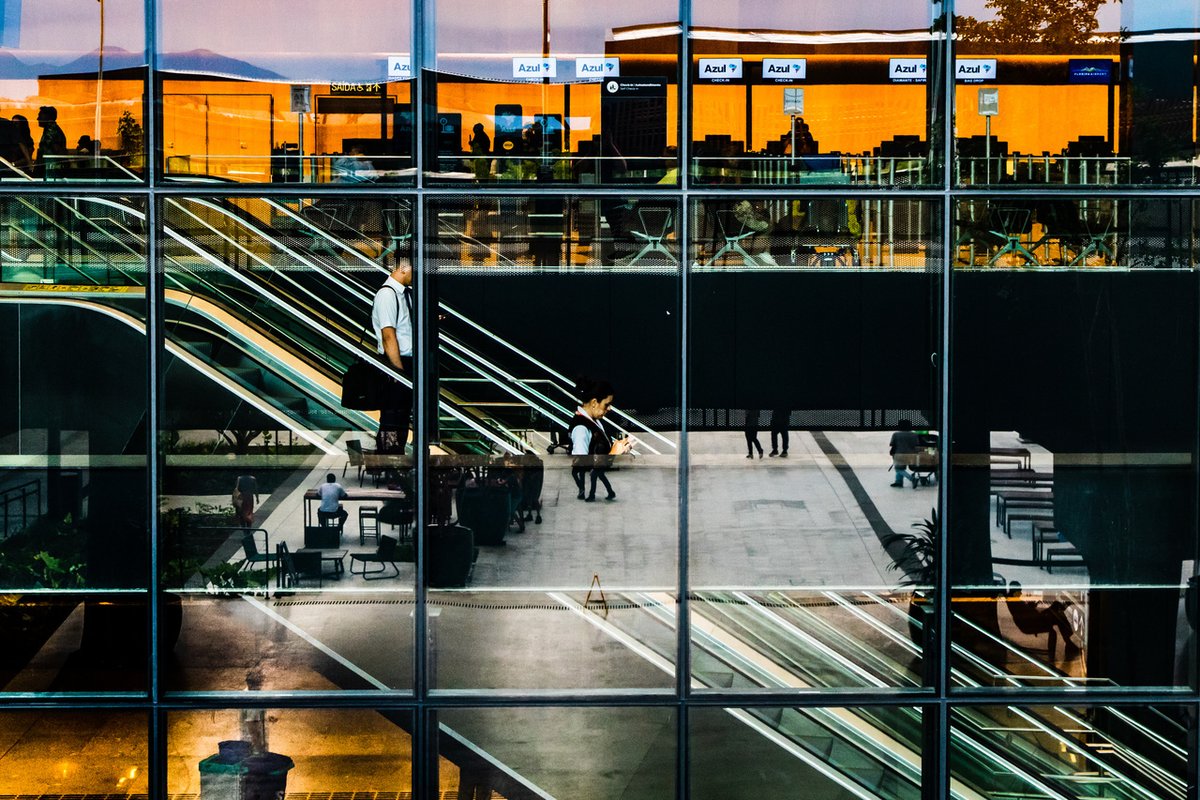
(597, 68)
(535, 67)
(975, 70)
(720, 70)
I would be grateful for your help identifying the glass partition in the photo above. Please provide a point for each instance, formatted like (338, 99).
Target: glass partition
(271, 475)
(1072, 528)
(72, 91)
(826, 93)
(805, 434)
(539, 302)
(287, 92)
(73, 470)
(1075, 94)
(554, 94)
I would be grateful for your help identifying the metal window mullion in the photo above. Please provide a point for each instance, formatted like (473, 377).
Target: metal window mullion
(424, 721)
(683, 661)
(940, 725)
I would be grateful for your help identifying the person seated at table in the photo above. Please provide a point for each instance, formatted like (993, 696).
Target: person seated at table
(331, 494)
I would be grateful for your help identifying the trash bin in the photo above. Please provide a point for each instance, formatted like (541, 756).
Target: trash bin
(236, 774)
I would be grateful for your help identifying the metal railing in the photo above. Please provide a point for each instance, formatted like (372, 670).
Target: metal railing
(27, 494)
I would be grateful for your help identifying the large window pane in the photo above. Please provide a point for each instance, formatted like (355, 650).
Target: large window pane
(287, 92)
(823, 93)
(554, 93)
(814, 352)
(267, 302)
(81, 753)
(832, 752)
(536, 298)
(73, 452)
(72, 90)
(557, 752)
(1135, 751)
(257, 752)
(1072, 524)
(1075, 93)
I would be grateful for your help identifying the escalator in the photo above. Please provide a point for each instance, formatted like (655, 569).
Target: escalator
(276, 343)
(743, 641)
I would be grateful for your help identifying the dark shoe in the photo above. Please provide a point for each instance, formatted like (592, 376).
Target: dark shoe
(914, 484)
(749, 455)
(899, 485)
(611, 496)
(590, 499)
(580, 496)
(773, 453)
(783, 454)
(760, 453)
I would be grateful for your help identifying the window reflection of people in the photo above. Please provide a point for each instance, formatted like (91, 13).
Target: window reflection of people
(391, 317)
(902, 448)
(591, 446)
(753, 219)
(481, 145)
(805, 145)
(1034, 617)
(352, 167)
(16, 143)
(53, 144)
(246, 491)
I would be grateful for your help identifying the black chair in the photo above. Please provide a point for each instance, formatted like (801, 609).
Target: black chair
(384, 555)
(297, 567)
(252, 555)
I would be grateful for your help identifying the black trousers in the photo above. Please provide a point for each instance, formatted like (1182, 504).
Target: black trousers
(395, 416)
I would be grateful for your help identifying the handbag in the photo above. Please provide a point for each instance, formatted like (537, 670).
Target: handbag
(236, 497)
(363, 386)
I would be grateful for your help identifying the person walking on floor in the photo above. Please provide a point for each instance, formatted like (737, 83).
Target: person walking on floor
(591, 446)
(750, 429)
(780, 418)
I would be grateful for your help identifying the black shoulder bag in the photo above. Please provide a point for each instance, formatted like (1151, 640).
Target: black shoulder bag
(364, 384)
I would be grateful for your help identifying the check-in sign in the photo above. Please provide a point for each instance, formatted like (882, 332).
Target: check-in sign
(784, 69)
(399, 68)
(597, 68)
(975, 70)
(906, 70)
(720, 69)
(535, 67)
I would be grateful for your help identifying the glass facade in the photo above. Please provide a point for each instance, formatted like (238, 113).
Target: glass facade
(426, 398)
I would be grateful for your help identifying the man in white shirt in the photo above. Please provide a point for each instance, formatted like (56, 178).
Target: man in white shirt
(332, 494)
(392, 319)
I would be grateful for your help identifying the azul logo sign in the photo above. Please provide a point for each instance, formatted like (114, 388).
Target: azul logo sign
(975, 70)
(788, 69)
(535, 67)
(906, 70)
(399, 68)
(720, 69)
(598, 68)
